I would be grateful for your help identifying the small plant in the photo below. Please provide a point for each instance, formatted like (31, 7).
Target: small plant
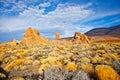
(85, 60)
(21, 53)
(2, 76)
(13, 64)
(1, 55)
(70, 66)
(81, 75)
(53, 73)
(116, 65)
(105, 72)
(87, 67)
(19, 78)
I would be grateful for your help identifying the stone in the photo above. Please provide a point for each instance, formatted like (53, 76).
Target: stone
(33, 37)
(57, 36)
(80, 38)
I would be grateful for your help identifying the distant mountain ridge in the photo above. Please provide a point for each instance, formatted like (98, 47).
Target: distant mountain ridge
(110, 31)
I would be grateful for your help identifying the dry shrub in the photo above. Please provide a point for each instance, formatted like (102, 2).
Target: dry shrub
(53, 73)
(85, 60)
(70, 66)
(13, 64)
(2, 76)
(61, 48)
(116, 65)
(19, 78)
(105, 72)
(114, 56)
(43, 67)
(50, 61)
(57, 73)
(88, 68)
(22, 53)
(81, 75)
(1, 55)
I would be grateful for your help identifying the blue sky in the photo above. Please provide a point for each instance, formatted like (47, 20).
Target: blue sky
(50, 16)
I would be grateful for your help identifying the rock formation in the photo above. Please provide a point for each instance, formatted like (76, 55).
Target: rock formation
(80, 38)
(33, 37)
(57, 36)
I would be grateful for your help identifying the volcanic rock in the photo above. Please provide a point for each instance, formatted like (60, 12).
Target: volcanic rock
(57, 36)
(80, 38)
(33, 37)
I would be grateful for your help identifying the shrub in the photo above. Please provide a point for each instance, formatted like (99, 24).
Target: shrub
(81, 75)
(13, 64)
(61, 48)
(97, 59)
(116, 65)
(69, 55)
(1, 55)
(21, 53)
(85, 60)
(105, 72)
(36, 63)
(19, 78)
(43, 67)
(50, 61)
(2, 76)
(114, 56)
(70, 66)
(57, 73)
(53, 73)
(87, 67)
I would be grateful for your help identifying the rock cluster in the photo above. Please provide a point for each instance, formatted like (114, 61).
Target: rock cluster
(33, 37)
(80, 38)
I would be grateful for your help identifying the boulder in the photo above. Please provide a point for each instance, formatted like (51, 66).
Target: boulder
(80, 38)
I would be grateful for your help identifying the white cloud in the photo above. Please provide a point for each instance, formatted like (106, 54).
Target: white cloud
(68, 14)
(64, 18)
(12, 24)
(13, 6)
(43, 5)
(9, 6)
(7, 2)
(101, 15)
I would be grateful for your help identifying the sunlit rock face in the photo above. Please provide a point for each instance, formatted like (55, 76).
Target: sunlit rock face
(33, 37)
(80, 38)
(57, 36)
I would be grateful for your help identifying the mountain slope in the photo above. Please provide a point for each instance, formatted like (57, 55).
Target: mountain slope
(111, 31)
